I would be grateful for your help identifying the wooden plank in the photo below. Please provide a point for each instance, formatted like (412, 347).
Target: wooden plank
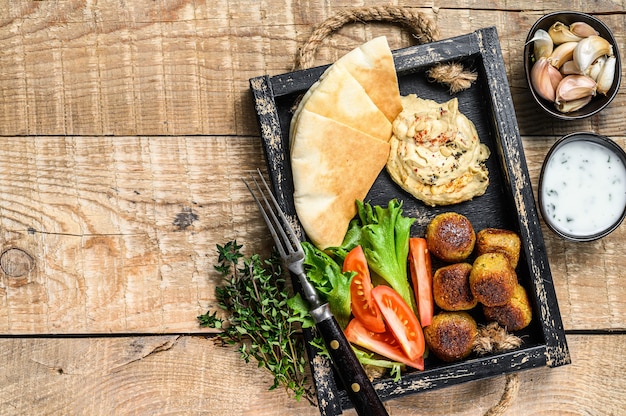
(177, 67)
(121, 232)
(192, 375)
(104, 220)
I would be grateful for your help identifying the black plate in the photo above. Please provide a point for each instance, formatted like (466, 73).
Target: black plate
(508, 202)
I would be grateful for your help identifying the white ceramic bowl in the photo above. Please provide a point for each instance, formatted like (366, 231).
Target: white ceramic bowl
(582, 187)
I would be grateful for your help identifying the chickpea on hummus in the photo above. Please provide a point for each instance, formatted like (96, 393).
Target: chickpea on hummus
(436, 154)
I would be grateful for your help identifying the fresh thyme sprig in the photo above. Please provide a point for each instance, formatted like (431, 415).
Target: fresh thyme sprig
(260, 322)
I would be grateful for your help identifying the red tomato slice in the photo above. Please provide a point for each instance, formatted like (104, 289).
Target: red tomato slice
(400, 320)
(363, 306)
(422, 277)
(383, 343)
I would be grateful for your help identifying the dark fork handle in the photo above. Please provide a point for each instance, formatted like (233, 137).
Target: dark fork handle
(358, 386)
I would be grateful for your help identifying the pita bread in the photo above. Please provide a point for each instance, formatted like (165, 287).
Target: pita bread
(339, 138)
(337, 166)
(340, 97)
(372, 66)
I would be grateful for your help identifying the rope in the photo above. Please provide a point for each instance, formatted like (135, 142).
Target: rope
(419, 26)
(508, 395)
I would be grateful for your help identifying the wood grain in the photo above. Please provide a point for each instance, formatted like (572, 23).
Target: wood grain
(158, 68)
(121, 231)
(192, 376)
(125, 127)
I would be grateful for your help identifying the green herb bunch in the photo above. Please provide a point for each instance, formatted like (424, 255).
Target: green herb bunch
(260, 322)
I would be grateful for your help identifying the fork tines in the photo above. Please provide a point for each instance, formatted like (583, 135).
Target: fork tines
(283, 234)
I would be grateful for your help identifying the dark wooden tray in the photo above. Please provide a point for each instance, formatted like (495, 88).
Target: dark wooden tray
(508, 203)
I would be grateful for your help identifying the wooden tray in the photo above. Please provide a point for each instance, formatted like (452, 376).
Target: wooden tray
(508, 203)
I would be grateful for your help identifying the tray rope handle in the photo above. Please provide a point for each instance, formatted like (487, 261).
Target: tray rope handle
(423, 29)
(453, 74)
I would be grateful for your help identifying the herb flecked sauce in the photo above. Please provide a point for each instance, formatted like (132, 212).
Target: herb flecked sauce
(584, 188)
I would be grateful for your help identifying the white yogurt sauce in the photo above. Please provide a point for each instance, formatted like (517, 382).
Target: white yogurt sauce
(584, 188)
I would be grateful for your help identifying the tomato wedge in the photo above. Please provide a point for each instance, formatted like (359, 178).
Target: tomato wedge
(362, 305)
(422, 277)
(383, 343)
(400, 320)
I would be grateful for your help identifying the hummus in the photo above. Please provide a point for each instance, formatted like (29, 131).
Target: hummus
(436, 154)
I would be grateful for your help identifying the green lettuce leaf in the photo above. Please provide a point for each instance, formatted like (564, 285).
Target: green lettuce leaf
(384, 235)
(328, 279)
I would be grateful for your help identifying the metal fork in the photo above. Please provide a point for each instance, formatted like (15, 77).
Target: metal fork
(358, 386)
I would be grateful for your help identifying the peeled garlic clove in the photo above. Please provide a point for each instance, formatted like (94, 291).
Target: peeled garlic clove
(574, 87)
(607, 75)
(595, 68)
(582, 29)
(560, 33)
(542, 44)
(589, 49)
(562, 53)
(570, 68)
(569, 106)
(540, 80)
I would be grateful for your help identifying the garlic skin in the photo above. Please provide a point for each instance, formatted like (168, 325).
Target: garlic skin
(542, 44)
(583, 29)
(540, 80)
(575, 87)
(589, 49)
(560, 33)
(562, 53)
(569, 106)
(607, 75)
(555, 76)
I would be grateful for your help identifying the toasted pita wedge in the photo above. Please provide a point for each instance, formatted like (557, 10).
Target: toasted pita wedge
(339, 96)
(333, 165)
(372, 66)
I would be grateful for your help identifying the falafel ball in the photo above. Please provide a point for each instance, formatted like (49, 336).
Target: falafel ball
(451, 335)
(514, 315)
(497, 240)
(492, 279)
(450, 237)
(451, 288)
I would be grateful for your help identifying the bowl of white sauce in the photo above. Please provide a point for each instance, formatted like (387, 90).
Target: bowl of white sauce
(582, 187)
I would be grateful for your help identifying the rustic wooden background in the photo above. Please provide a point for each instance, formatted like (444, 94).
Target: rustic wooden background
(126, 126)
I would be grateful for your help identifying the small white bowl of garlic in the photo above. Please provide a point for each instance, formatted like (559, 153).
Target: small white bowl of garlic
(572, 64)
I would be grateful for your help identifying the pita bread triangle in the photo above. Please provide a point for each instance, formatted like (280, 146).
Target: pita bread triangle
(339, 138)
(329, 177)
(338, 96)
(372, 66)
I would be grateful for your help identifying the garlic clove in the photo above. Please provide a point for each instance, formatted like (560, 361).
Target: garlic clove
(562, 53)
(542, 44)
(574, 87)
(555, 76)
(569, 106)
(560, 33)
(570, 68)
(595, 68)
(540, 80)
(589, 49)
(582, 29)
(607, 75)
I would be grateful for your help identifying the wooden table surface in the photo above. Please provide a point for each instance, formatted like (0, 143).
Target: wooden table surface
(126, 126)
